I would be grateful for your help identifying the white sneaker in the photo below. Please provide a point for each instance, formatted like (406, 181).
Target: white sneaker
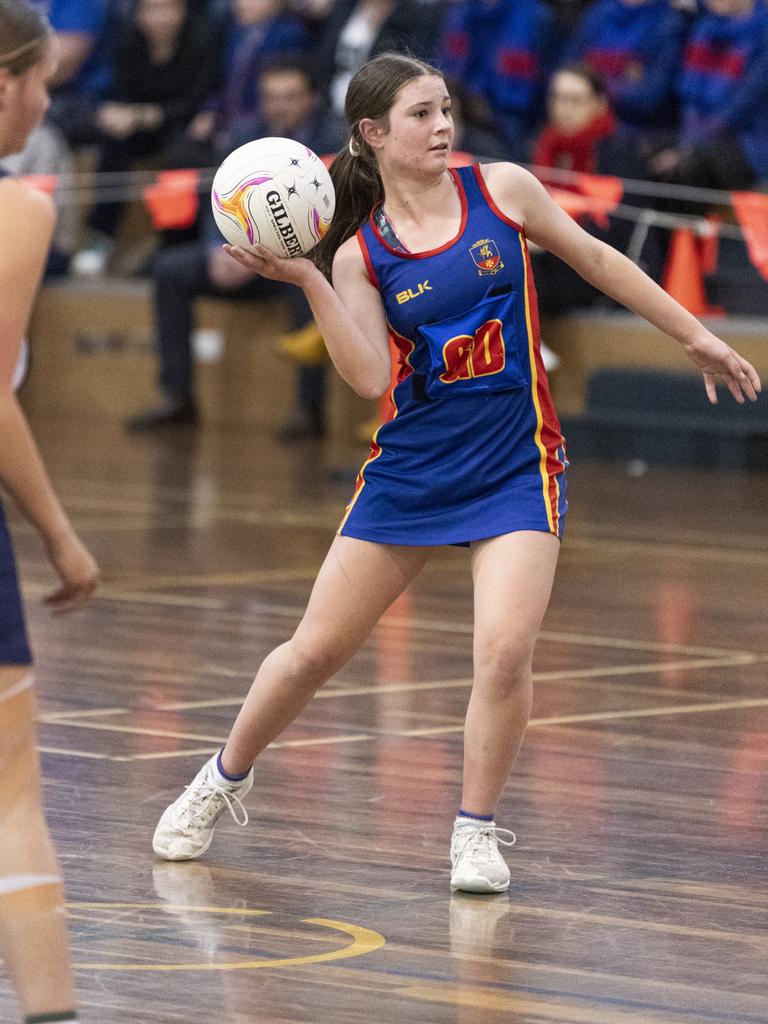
(550, 359)
(92, 259)
(477, 864)
(185, 830)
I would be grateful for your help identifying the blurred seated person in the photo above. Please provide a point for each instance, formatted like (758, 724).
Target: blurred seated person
(47, 153)
(357, 30)
(83, 34)
(256, 32)
(579, 119)
(313, 15)
(502, 52)
(289, 107)
(567, 16)
(636, 48)
(166, 63)
(473, 133)
(723, 88)
(581, 135)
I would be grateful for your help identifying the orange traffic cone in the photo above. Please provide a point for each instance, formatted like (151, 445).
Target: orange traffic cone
(682, 276)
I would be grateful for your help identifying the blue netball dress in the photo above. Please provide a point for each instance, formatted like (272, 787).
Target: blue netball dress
(14, 648)
(472, 448)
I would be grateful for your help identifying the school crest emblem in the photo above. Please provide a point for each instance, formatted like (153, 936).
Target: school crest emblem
(486, 256)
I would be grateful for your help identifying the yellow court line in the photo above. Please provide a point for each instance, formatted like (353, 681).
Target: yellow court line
(81, 495)
(168, 755)
(610, 716)
(561, 674)
(59, 716)
(251, 577)
(76, 753)
(758, 940)
(132, 591)
(617, 715)
(172, 600)
(107, 593)
(364, 940)
(524, 1006)
(579, 639)
(597, 716)
(133, 525)
(689, 552)
(135, 730)
(624, 644)
(646, 668)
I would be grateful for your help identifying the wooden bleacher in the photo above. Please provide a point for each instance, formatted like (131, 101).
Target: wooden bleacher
(93, 354)
(590, 341)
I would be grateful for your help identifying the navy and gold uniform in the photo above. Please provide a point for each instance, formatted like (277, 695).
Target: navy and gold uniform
(14, 648)
(472, 448)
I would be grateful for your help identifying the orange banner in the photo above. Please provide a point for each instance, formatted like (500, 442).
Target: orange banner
(752, 210)
(595, 196)
(45, 182)
(173, 200)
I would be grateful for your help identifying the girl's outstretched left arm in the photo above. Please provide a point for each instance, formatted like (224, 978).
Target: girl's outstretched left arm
(524, 199)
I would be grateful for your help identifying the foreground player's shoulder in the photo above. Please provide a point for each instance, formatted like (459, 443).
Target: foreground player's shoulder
(26, 213)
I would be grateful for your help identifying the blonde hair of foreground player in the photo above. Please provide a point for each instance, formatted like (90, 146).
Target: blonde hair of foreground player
(399, 148)
(33, 931)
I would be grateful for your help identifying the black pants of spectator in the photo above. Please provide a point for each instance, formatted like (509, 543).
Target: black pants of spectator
(180, 277)
(117, 155)
(74, 114)
(558, 287)
(717, 164)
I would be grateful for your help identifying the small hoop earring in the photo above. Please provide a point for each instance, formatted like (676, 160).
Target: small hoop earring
(354, 148)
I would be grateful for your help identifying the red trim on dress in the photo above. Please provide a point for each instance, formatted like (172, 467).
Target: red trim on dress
(490, 200)
(372, 277)
(431, 252)
(551, 434)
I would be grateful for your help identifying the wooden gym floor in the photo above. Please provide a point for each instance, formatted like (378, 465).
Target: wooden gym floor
(640, 801)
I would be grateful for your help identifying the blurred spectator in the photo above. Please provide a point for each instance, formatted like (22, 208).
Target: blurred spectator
(357, 30)
(636, 47)
(47, 153)
(567, 15)
(167, 62)
(723, 86)
(581, 135)
(256, 32)
(472, 134)
(83, 74)
(502, 52)
(289, 105)
(313, 15)
(579, 119)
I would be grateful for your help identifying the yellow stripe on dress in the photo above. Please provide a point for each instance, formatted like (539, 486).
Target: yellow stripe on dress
(535, 396)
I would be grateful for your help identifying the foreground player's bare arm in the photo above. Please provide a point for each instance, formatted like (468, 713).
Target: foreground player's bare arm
(27, 217)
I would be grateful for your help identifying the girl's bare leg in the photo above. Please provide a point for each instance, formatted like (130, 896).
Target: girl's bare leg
(513, 577)
(33, 928)
(356, 584)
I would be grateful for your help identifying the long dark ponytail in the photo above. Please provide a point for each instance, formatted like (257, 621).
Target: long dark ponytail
(355, 172)
(24, 35)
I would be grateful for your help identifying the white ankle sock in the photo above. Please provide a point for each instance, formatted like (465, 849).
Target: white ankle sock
(222, 780)
(462, 821)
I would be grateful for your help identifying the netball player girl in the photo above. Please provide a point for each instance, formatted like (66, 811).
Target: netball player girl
(472, 455)
(33, 935)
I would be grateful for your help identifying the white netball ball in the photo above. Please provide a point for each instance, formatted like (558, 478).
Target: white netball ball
(276, 193)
